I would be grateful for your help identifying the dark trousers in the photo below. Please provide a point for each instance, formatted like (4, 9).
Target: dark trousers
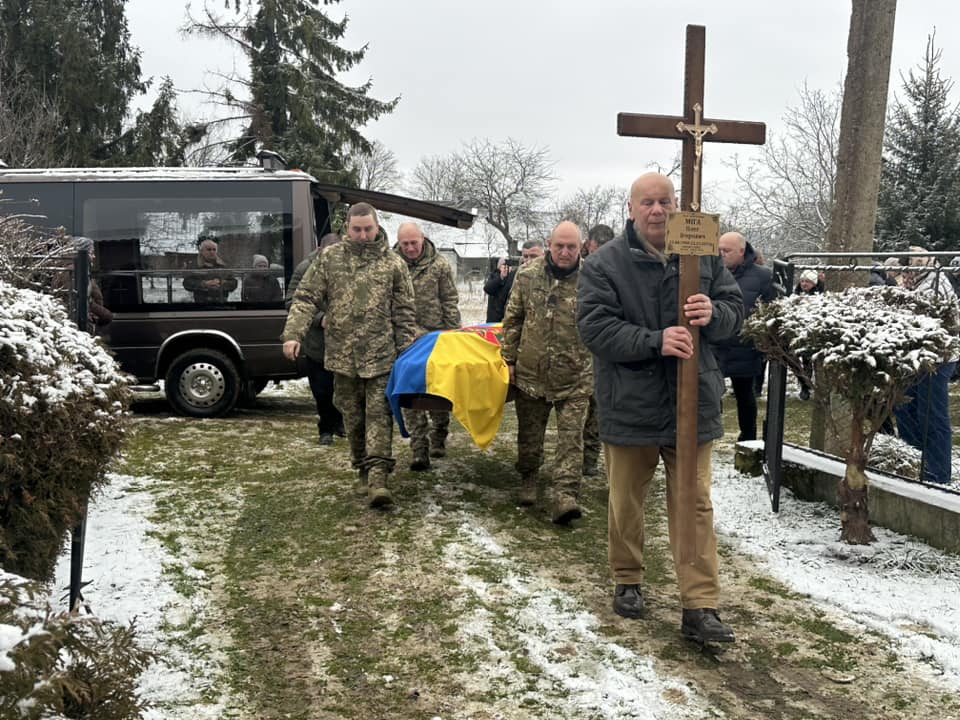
(744, 390)
(924, 422)
(321, 385)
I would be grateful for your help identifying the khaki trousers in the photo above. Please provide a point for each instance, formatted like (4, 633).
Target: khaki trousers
(629, 471)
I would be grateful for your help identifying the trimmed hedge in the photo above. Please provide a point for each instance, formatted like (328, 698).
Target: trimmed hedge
(63, 408)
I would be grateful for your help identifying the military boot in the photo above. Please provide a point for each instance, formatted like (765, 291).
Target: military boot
(565, 509)
(420, 459)
(378, 495)
(527, 494)
(360, 485)
(438, 445)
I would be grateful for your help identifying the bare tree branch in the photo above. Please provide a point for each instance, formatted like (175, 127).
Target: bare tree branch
(788, 193)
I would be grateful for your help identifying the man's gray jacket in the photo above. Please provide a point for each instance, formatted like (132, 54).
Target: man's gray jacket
(627, 297)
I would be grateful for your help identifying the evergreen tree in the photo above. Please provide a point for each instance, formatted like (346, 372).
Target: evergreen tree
(156, 138)
(296, 106)
(78, 54)
(919, 202)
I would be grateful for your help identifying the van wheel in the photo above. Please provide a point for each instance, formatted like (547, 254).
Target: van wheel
(202, 383)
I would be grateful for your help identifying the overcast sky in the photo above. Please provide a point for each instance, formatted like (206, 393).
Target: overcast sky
(557, 73)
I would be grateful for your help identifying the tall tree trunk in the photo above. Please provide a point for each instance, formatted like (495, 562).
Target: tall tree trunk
(869, 46)
(852, 492)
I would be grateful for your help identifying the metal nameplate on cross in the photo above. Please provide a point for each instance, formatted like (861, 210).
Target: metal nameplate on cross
(690, 239)
(693, 233)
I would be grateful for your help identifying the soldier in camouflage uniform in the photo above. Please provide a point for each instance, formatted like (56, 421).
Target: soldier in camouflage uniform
(551, 368)
(437, 309)
(369, 320)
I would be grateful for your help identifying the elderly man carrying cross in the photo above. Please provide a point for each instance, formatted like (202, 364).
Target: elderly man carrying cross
(628, 318)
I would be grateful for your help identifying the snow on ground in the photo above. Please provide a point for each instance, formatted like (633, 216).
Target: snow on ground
(582, 672)
(124, 564)
(900, 587)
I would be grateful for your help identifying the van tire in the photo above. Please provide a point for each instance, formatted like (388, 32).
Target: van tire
(202, 383)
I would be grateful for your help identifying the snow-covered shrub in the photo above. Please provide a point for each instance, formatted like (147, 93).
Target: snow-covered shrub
(861, 342)
(66, 664)
(865, 346)
(63, 406)
(892, 455)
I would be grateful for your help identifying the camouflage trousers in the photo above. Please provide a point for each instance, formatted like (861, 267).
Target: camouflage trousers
(532, 416)
(367, 420)
(591, 436)
(422, 435)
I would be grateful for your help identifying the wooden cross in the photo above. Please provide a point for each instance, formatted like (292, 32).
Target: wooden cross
(693, 130)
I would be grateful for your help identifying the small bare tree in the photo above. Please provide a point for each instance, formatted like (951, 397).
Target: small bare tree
(507, 182)
(376, 169)
(788, 195)
(29, 120)
(862, 348)
(591, 206)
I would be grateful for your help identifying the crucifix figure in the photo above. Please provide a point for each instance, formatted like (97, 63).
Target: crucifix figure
(693, 130)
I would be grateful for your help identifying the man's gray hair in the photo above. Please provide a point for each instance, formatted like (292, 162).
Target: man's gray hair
(531, 244)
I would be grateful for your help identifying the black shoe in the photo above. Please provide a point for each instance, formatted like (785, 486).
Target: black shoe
(703, 625)
(804, 394)
(627, 601)
(326, 438)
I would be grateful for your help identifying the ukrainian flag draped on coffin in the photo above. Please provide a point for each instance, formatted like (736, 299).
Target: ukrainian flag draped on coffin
(463, 366)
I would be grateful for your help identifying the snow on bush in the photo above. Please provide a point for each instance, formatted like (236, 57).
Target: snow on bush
(892, 455)
(63, 403)
(65, 664)
(862, 341)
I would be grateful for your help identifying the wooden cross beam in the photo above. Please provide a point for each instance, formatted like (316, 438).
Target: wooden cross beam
(693, 130)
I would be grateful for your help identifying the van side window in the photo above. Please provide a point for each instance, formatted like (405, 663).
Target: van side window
(188, 243)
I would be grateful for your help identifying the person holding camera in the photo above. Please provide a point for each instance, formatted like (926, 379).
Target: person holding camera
(500, 281)
(497, 287)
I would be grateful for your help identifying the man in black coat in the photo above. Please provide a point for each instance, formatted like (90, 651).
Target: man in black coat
(739, 359)
(628, 315)
(497, 286)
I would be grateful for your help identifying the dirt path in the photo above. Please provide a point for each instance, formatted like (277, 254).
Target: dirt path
(459, 604)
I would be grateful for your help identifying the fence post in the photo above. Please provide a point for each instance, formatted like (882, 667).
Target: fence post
(81, 289)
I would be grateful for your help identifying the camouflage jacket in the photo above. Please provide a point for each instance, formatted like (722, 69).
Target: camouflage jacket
(436, 292)
(370, 316)
(540, 335)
